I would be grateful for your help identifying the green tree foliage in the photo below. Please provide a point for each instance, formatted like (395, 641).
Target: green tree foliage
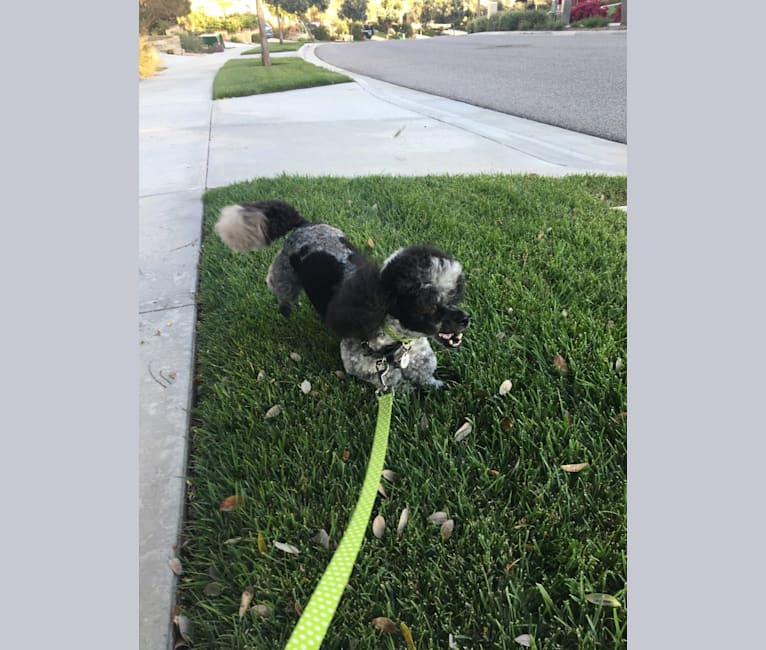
(443, 11)
(354, 10)
(300, 7)
(152, 12)
(390, 11)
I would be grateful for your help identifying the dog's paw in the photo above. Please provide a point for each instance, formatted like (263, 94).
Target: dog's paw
(436, 383)
(285, 309)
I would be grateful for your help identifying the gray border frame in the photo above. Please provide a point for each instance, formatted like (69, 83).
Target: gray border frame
(69, 465)
(695, 273)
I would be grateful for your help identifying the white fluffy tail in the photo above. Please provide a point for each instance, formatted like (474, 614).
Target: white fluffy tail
(242, 229)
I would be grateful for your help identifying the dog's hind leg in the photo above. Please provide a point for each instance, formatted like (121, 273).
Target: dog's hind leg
(283, 282)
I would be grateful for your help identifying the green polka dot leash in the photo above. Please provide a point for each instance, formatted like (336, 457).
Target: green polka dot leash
(317, 616)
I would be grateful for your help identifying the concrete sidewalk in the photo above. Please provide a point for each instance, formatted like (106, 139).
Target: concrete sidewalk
(189, 143)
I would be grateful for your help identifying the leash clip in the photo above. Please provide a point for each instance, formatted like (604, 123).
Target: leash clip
(381, 365)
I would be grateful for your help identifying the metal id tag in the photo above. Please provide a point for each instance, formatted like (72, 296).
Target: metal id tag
(404, 361)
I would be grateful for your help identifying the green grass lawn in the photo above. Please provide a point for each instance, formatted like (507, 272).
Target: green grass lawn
(242, 77)
(277, 47)
(545, 262)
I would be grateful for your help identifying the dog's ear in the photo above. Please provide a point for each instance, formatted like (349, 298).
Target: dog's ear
(359, 305)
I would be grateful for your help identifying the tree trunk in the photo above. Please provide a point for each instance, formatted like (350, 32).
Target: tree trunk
(265, 59)
(279, 22)
(624, 14)
(566, 11)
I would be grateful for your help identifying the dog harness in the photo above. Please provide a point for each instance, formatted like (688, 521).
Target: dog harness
(391, 356)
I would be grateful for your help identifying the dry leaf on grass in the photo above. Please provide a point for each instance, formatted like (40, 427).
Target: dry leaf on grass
(245, 600)
(574, 467)
(446, 529)
(229, 503)
(287, 548)
(438, 518)
(389, 475)
(407, 636)
(505, 387)
(175, 566)
(295, 356)
(370, 242)
(262, 610)
(604, 600)
(385, 625)
(183, 627)
(213, 589)
(382, 491)
(322, 538)
(261, 545)
(378, 526)
(560, 363)
(274, 411)
(463, 431)
(506, 424)
(524, 639)
(403, 519)
(305, 386)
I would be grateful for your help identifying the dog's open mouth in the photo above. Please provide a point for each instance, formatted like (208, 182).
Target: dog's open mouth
(450, 339)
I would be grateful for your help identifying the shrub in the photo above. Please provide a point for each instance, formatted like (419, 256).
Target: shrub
(191, 42)
(231, 23)
(593, 21)
(148, 58)
(478, 25)
(587, 10)
(357, 31)
(617, 15)
(321, 33)
(198, 22)
(159, 27)
(514, 19)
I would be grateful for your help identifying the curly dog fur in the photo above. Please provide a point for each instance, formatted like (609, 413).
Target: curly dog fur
(384, 315)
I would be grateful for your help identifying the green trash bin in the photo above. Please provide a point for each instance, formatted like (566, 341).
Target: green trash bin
(211, 40)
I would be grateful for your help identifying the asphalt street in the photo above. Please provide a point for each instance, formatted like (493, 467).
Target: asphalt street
(572, 79)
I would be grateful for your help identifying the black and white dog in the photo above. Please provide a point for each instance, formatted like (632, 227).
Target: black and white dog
(384, 315)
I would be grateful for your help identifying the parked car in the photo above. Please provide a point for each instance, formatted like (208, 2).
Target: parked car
(368, 31)
(269, 31)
